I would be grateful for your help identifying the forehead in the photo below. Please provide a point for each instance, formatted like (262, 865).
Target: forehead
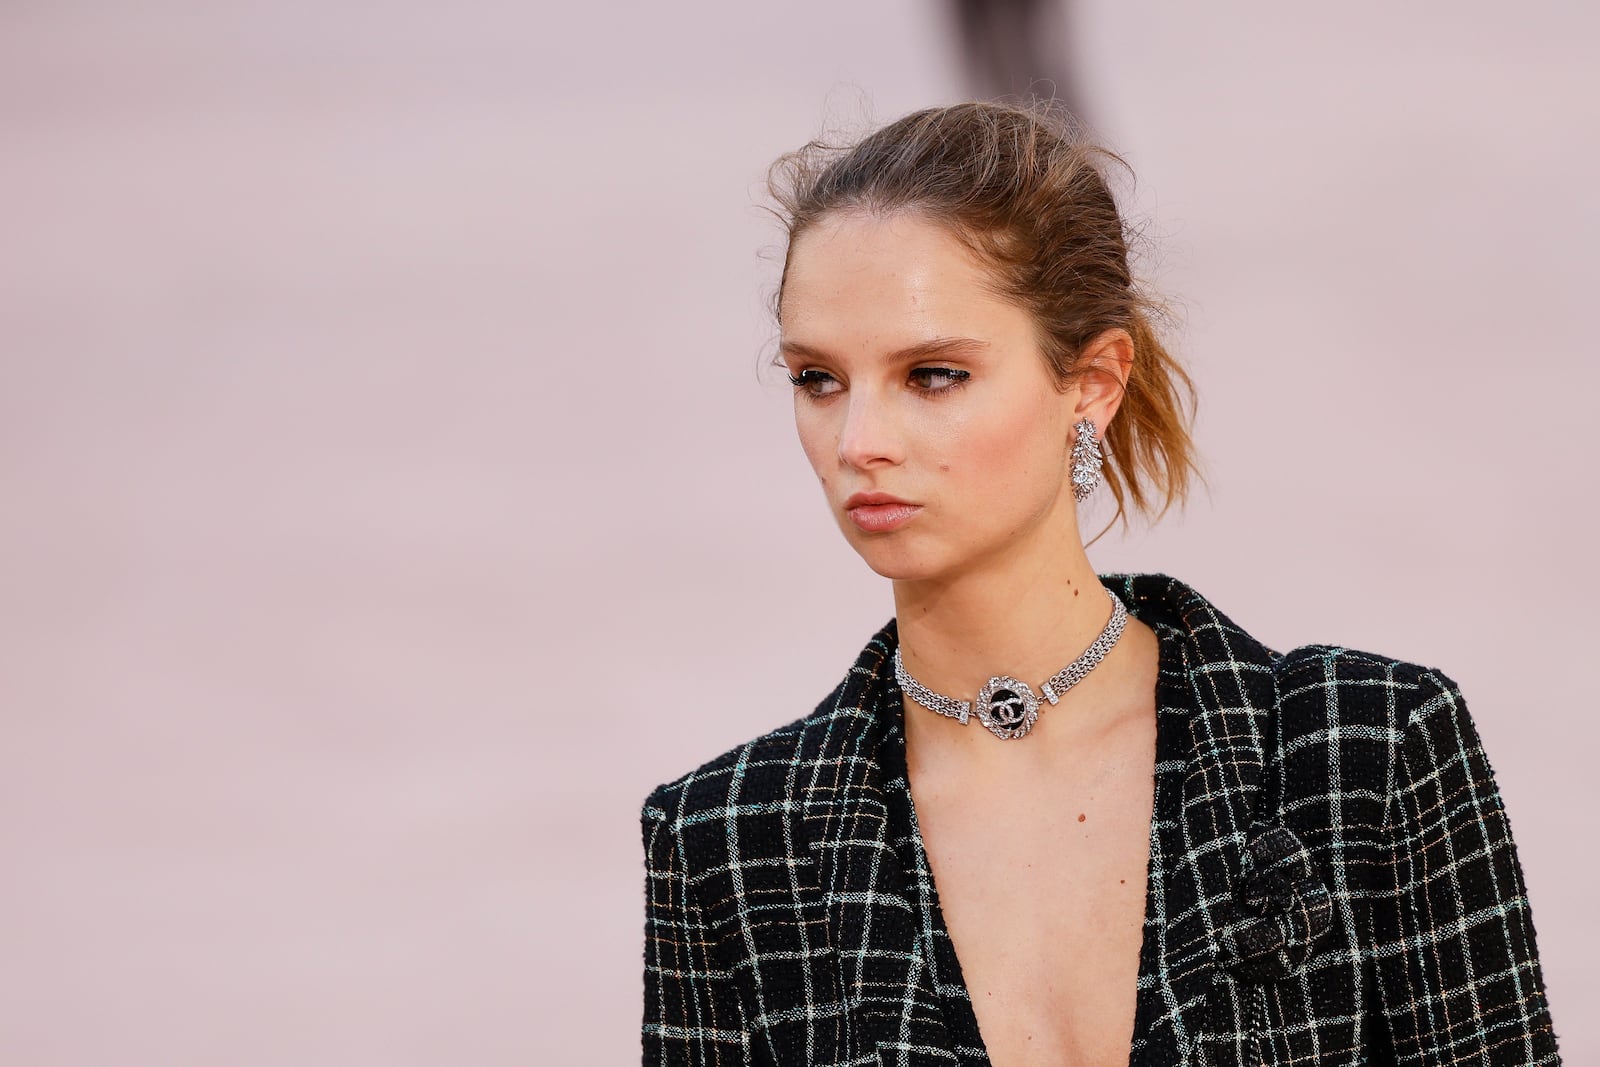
(856, 275)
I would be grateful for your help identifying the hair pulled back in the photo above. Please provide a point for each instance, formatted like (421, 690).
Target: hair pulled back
(1024, 191)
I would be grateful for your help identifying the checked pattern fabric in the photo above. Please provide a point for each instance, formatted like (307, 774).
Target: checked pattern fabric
(1333, 878)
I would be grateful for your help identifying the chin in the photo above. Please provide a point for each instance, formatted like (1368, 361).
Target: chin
(898, 574)
(899, 562)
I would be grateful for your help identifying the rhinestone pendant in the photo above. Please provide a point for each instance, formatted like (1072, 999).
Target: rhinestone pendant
(1007, 707)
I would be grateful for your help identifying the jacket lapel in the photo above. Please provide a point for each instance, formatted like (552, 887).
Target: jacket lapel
(1231, 692)
(884, 986)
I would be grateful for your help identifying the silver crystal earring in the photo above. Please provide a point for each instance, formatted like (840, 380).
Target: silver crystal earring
(1086, 460)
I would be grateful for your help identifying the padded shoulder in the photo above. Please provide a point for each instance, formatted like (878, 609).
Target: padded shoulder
(1320, 685)
(752, 772)
(1339, 734)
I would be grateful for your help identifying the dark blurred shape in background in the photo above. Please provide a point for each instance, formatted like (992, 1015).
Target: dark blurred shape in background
(1017, 49)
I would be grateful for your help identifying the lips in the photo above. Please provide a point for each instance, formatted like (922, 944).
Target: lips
(857, 500)
(879, 512)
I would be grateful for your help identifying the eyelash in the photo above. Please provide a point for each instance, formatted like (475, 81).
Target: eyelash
(955, 376)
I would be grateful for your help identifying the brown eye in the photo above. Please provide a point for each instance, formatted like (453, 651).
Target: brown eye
(952, 377)
(807, 379)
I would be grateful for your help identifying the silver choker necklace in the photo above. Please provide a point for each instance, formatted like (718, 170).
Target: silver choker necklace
(1007, 707)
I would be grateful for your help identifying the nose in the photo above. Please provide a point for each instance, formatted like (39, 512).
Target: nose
(870, 434)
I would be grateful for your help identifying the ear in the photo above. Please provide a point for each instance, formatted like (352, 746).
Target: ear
(1107, 361)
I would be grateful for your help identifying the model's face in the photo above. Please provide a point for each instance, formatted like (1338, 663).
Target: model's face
(920, 383)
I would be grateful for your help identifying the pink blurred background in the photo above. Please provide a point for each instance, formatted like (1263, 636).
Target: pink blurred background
(391, 499)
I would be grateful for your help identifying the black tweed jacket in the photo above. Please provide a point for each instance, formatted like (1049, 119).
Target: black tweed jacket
(1335, 882)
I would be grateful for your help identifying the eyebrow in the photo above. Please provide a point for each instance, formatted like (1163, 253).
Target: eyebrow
(939, 346)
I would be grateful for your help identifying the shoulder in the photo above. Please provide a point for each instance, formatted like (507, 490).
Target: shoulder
(1353, 687)
(754, 772)
(1357, 724)
(763, 772)
(736, 807)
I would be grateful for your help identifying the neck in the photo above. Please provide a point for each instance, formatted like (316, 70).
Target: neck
(1027, 616)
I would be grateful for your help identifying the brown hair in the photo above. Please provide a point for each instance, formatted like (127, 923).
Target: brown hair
(1022, 188)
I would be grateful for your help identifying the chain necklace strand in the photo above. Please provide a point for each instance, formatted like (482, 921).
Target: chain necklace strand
(1006, 706)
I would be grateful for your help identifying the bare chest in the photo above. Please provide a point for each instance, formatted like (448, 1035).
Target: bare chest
(1042, 886)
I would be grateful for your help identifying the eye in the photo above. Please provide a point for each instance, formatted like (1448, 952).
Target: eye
(812, 380)
(806, 379)
(953, 377)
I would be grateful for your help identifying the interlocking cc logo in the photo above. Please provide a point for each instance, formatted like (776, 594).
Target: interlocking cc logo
(1007, 707)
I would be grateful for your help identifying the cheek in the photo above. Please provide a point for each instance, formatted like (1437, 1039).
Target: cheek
(816, 441)
(1005, 449)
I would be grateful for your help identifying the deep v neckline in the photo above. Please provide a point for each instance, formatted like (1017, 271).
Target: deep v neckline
(949, 982)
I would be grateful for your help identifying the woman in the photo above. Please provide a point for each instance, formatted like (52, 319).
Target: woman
(1050, 816)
